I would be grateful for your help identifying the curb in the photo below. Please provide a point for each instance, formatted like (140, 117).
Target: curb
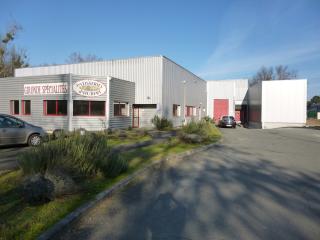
(55, 229)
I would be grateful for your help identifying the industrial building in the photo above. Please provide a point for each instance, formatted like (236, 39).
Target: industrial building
(158, 86)
(130, 92)
(228, 97)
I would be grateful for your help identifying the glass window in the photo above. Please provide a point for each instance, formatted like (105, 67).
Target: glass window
(12, 122)
(14, 106)
(62, 106)
(176, 110)
(120, 109)
(2, 122)
(97, 108)
(26, 107)
(55, 107)
(88, 108)
(80, 108)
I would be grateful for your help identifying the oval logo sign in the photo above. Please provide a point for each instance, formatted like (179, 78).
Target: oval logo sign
(89, 88)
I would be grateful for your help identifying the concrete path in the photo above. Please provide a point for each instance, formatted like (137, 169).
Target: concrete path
(257, 184)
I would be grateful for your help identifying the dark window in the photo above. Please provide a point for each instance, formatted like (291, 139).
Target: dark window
(55, 107)
(10, 122)
(189, 111)
(14, 106)
(97, 108)
(2, 122)
(26, 107)
(120, 109)
(176, 110)
(81, 108)
(88, 108)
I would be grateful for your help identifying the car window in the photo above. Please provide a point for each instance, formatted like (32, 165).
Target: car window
(2, 123)
(12, 122)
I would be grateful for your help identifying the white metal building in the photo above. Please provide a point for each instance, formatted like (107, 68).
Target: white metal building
(227, 97)
(162, 87)
(278, 103)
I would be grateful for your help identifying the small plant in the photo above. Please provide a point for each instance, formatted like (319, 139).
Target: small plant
(161, 123)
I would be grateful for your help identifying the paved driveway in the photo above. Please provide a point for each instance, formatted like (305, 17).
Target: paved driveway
(256, 184)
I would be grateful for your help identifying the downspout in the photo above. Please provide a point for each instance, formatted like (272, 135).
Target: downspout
(70, 105)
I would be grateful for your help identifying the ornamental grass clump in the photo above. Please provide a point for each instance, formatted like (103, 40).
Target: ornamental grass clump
(161, 123)
(78, 155)
(198, 132)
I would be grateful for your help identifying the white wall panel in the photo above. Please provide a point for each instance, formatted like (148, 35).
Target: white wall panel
(284, 103)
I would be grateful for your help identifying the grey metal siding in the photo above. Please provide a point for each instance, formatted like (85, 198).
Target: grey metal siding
(121, 91)
(90, 123)
(146, 72)
(255, 101)
(173, 91)
(12, 89)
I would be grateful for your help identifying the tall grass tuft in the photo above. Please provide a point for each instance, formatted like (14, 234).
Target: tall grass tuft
(161, 123)
(81, 156)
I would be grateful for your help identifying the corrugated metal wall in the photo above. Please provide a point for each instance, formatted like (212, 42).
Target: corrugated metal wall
(173, 91)
(146, 72)
(284, 103)
(121, 91)
(236, 90)
(90, 123)
(255, 101)
(12, 89)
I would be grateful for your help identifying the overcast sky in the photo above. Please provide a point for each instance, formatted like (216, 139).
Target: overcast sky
(214, 39)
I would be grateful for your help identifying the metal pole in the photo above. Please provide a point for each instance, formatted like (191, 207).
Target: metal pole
(184, 102)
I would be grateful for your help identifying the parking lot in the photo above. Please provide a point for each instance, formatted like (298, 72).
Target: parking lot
(255, 184)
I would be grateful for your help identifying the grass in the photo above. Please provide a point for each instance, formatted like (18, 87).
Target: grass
(131, 138)
(19, 220)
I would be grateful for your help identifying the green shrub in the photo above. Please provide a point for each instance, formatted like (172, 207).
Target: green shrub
(208, 119)
(80, 156)
(206, 131)
(161, 123)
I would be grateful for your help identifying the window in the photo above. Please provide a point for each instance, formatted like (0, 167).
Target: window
(176, 110)
(89, 108)
(10, 122)
(14, 107)
(55, 107)
(26, 107)
(191, 111)
(120, 109)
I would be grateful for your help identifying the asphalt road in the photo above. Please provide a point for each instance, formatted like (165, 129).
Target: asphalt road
(256, 184)
(8, 157)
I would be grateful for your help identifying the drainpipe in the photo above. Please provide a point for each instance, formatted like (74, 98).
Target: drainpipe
(70, 104)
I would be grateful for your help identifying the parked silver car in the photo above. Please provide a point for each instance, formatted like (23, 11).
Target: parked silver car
(16, 131)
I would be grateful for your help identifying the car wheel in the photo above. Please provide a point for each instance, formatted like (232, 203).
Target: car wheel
(34, 140)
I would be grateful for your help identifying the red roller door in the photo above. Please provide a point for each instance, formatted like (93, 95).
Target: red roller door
(221, 108)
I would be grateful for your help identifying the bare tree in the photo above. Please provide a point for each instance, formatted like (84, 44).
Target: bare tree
(282, 73)
(264, 74)
(11, 57)
(267, 74)
(77, 57)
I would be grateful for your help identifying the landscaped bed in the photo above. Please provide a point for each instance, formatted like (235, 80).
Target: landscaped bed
(19, 219)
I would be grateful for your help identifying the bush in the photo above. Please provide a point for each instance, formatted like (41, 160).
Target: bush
(161, 123)
(206, 131)
(209, 119)
(79, 156)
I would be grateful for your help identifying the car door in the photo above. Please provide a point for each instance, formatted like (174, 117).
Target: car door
(13, 131)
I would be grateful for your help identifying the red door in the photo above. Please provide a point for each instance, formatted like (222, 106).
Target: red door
(238, 116)
(221, 108)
